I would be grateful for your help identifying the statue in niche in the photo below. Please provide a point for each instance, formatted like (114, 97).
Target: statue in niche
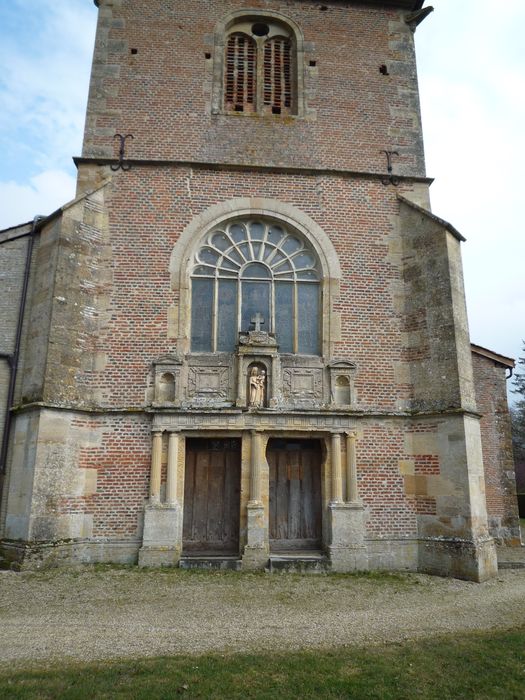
(257, 385)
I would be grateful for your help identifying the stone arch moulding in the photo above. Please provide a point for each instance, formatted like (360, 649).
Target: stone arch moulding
(221, 31)
(191, 237)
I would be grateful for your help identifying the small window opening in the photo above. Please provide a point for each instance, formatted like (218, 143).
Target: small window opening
(383, 70)
(276, 110)
(323, 8)
(260, 29)
(313, 64)
(207, 55)
(134, 51)
(238, 108)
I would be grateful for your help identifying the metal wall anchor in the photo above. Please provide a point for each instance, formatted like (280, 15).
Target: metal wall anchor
(391, 179)
(121, 165)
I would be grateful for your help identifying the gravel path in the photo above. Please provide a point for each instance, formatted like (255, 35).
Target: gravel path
(87, 614)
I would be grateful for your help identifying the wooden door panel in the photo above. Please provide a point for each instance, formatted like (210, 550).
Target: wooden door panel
(212, 496)
(295, 494)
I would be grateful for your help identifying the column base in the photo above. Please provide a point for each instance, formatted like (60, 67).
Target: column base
(347, 549)
(257, 549)
(162, 538)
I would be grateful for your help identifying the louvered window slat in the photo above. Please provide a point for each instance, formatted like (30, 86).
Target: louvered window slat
(240, 73)
(278, 73)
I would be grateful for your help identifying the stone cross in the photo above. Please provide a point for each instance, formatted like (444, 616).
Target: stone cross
(257, 321)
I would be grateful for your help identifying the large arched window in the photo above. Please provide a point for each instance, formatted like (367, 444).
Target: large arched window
(260, 67)
(252, 267)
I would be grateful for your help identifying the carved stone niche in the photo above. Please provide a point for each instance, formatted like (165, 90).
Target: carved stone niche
(167, 370)
(257, 356)
(342, 384)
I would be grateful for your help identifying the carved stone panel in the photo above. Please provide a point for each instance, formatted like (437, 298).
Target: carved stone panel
(208, 383)
(303, 386)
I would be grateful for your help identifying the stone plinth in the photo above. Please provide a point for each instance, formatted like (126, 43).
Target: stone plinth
(469, 560)
(162, 540)
(347, 549)
(256, 551)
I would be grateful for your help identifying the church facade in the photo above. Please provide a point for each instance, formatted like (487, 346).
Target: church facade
(245, 341)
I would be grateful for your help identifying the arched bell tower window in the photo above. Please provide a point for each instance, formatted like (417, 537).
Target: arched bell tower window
(255, 268)
(260, 67)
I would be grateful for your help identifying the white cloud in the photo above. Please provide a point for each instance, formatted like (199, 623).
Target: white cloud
(44, 82)
(44, 194)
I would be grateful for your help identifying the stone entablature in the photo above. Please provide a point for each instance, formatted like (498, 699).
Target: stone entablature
(235, 420)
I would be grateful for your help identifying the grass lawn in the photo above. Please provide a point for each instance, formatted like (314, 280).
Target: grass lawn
(474, 667)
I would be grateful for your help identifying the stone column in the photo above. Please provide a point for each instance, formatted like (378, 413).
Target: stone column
(337, 481)
(352, 494)
(256, 550)
(156, 457)
(173, 464)
(255, 471)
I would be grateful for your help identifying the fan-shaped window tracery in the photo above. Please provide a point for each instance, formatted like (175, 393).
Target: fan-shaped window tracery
(249, 268)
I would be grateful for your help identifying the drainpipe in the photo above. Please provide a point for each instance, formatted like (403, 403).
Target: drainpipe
(13, 358)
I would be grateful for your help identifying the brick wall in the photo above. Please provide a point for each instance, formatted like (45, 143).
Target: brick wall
(500, 484)
(162, 94)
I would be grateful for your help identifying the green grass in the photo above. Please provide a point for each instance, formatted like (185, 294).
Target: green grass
(474, 667)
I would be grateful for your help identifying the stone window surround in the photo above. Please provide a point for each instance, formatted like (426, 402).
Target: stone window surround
(183, 254)
(222, 31)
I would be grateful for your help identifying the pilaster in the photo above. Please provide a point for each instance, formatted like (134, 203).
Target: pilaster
(162, 535)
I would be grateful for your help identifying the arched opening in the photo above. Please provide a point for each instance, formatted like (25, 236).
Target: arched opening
(248, 269)
(342, 391)
(166, 388)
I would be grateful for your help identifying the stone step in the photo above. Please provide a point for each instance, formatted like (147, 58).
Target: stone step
(511, 564)
(300, 563)
(207, 562)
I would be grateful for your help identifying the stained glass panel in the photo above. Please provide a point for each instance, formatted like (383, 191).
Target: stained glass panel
(255, 299)
(201, 314)
(257, 231)
(256, 270)
(308, 318)
(227, 316)
(284, 326)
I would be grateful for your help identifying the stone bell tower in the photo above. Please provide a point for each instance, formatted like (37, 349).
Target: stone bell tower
(258, 343)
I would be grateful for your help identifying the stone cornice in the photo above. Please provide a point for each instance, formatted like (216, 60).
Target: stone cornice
(294, 170)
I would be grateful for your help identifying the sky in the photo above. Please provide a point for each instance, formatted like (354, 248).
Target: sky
(471, 64)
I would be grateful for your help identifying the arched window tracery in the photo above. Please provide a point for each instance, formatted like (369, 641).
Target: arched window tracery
(249, 267)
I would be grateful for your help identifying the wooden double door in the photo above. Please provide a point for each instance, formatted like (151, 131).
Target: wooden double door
(212, 496)
(295, 494)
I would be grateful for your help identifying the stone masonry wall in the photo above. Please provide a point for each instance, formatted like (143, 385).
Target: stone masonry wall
(500, 481)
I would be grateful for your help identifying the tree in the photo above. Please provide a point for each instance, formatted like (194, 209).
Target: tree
(518, 412)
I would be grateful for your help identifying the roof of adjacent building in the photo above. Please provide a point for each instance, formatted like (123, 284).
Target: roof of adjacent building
(491, 355)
